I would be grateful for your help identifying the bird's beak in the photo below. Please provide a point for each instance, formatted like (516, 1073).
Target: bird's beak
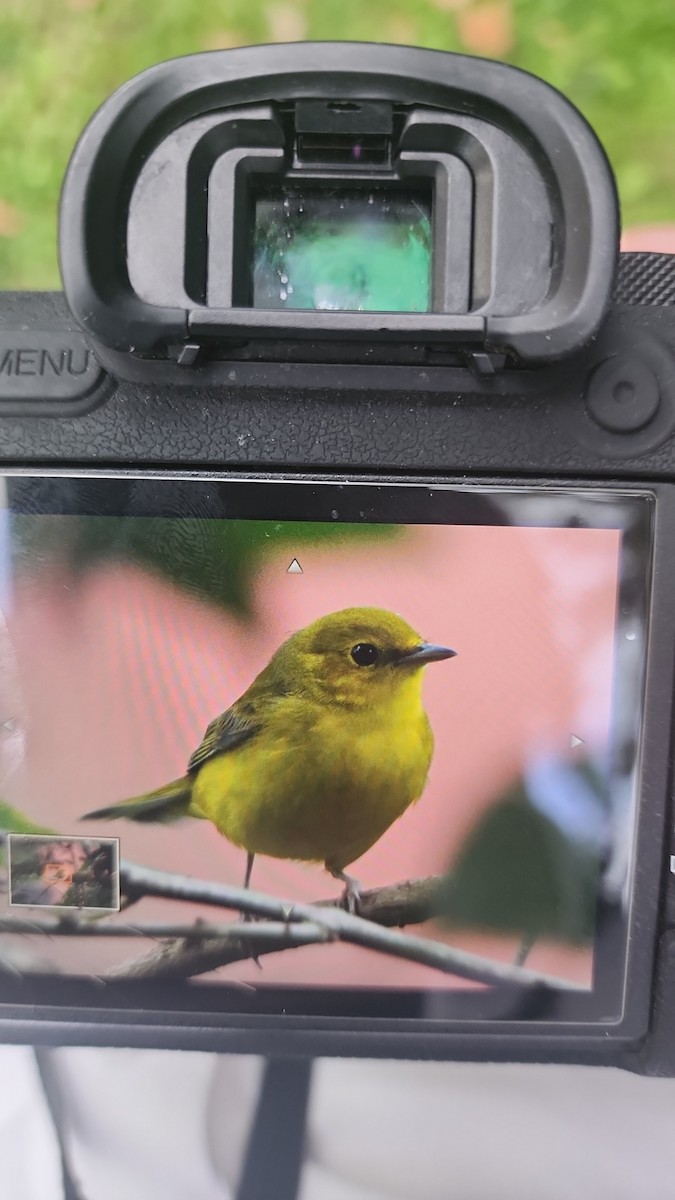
(425, 653)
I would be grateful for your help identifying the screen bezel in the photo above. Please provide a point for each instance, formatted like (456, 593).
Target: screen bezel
(409, 502)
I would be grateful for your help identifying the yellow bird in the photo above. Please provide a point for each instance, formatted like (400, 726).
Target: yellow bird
(328, 746)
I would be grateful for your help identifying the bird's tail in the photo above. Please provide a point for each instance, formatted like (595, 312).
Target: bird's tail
(168, 803)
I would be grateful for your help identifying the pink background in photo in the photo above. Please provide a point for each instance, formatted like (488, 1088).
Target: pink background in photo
(119, 675)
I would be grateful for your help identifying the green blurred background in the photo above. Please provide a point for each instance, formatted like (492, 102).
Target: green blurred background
(60, 58)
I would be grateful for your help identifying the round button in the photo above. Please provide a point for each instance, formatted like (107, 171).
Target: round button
(622, 394)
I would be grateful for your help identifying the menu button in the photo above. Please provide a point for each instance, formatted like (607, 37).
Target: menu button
(46, 365)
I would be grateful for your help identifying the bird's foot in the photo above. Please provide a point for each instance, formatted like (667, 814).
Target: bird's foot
(351, 896)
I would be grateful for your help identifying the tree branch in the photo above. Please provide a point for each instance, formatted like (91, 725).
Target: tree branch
(407, 903)
(188, 950)
(403, 902)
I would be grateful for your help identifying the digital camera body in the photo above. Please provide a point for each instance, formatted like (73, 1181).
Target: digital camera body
(537, 363)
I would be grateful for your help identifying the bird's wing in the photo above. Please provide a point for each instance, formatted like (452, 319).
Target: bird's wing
(227, 732)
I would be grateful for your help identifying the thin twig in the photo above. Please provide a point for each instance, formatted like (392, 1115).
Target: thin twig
(228, 933)
(524, 949)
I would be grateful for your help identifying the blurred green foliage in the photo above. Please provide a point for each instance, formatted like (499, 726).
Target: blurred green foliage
(518, 873)
(59, 59)
(214, 559)
(13, 821)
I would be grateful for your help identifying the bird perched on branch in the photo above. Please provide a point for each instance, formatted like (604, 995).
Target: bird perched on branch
(321, 754)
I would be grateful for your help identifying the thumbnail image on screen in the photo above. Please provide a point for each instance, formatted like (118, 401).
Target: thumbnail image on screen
(424, 728)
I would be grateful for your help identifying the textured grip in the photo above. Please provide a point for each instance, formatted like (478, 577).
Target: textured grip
(644, 278)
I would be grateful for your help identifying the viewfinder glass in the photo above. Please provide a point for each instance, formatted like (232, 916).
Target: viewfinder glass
(343, 249)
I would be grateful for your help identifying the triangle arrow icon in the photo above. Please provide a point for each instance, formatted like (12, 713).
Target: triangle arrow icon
(295, 568)
(575, 741)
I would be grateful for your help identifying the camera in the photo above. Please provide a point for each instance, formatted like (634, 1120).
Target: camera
(351, 442)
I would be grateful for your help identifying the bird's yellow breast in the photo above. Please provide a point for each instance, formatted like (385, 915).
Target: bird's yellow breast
(317, 783)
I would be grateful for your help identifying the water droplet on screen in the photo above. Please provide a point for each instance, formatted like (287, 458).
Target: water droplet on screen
(334, 514)
(284, 278)
(290, 289)
(283, 295)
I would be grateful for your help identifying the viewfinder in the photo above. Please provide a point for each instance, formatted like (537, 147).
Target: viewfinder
(287, 198)
(343, 249)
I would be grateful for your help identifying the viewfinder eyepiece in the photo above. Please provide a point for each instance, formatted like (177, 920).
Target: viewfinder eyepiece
(329, 192)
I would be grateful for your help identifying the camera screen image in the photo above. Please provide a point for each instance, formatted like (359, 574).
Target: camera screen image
(427, 726)
(342, 249)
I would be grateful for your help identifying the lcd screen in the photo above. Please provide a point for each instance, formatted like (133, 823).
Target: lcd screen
(414, 707)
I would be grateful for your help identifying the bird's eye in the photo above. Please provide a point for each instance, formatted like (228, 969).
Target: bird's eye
(365, 654)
